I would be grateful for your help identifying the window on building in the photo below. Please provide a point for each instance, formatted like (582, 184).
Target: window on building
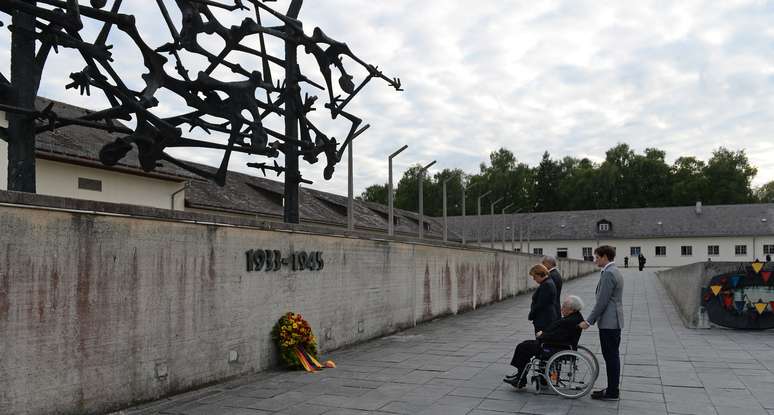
(660, 251)
(686, 250)
(768, 249)
(604, 227)
(537, 251)
(587, 253)
(713, 250)
(89, 184)
(740, 250)
(635, 251)
(561, 252)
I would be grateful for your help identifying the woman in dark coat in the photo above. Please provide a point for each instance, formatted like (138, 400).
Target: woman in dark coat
(563, 331)
(542, 312)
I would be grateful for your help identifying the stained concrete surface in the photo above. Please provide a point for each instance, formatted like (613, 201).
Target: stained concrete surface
(455, 365)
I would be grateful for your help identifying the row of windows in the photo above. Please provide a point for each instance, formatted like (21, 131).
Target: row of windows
(685, 250)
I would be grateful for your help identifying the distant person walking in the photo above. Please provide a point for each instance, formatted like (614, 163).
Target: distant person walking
(609, 317)
(641, 259)
(553, 272)
(626, 262)
(768, 258)
(542, 311)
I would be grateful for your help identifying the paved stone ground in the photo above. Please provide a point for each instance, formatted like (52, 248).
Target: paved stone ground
(455, 366)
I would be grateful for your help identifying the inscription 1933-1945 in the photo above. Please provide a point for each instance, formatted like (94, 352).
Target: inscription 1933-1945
(272, 260)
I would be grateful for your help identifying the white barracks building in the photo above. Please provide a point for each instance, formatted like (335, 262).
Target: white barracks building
(668, 236)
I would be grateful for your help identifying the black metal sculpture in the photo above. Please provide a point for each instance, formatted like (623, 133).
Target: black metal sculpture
(242, 104)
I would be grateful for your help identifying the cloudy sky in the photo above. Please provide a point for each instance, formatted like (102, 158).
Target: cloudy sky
(572, 77)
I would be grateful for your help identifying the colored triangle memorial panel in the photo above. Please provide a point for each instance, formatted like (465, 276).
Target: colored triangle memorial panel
(740, 300)
(760, 307)
(716, 289)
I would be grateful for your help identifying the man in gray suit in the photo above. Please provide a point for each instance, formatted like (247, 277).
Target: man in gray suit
(609, 317)
(550, 263)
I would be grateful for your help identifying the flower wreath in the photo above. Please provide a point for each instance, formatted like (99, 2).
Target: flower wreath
(297, 344)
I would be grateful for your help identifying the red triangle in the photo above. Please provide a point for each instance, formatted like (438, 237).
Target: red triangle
(765, 275)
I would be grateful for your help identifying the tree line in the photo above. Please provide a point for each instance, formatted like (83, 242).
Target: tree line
(625, 179)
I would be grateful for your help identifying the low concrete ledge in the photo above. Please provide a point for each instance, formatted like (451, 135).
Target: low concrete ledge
(684, 284)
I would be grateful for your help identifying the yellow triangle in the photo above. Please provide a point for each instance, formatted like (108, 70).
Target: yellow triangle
(761, 307)
(757, 266)
(715, 289)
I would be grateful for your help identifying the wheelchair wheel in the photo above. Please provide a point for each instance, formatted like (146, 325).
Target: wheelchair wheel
(570, 374)
(592, 357)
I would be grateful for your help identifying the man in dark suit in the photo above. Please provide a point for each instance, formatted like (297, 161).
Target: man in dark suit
(542, 311)
(609, 316)
(553, 272)
(563, 331)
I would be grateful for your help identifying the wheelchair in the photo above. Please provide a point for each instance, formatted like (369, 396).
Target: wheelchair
(568, 370)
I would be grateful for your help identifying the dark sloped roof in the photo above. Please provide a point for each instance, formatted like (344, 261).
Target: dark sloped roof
(79, 143)
(243, 193)
(683, 221)
(248, 194)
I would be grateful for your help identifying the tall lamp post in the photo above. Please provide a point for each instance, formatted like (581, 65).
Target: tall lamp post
(513, 230)
(492, 214)
(478, 221)
(422, 199)
(503, 216)
(445, 222)
(350, 188)
(464, 223)
(390, 218)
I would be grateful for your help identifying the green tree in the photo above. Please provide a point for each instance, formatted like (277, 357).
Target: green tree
(613, 179)
(648, 181)
(547, 183)
(406, 196)
(453, 192)
(729, 176)
(506, 178)
(579, 188)
(689, 184)
(376, 193)
(765, 193)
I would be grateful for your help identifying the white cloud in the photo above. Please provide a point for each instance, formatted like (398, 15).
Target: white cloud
(572, 77)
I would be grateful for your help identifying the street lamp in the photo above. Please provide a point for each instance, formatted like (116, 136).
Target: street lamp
(390, 219)
(421, 199)
(464, 224)
(513, 230)
(503, 216)
(478, 222)
(350, 187)
(491, 213)
(445, 223)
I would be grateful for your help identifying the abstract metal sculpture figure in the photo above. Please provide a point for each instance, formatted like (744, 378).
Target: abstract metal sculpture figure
(243, 105)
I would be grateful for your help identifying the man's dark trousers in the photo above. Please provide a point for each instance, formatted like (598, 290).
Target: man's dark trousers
(610, 340)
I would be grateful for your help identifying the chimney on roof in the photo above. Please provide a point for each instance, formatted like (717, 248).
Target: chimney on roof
(698, 208)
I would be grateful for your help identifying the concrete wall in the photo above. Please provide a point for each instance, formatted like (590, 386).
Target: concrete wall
(684, 284)
(98, 311)
(648, 246)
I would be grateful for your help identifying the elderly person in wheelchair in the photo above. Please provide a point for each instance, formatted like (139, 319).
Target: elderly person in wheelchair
(554, 357)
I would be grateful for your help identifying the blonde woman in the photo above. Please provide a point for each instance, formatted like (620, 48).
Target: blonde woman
(542, 312)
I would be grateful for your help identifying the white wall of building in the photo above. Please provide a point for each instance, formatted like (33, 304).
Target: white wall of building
(61, 179)
(726, 245)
